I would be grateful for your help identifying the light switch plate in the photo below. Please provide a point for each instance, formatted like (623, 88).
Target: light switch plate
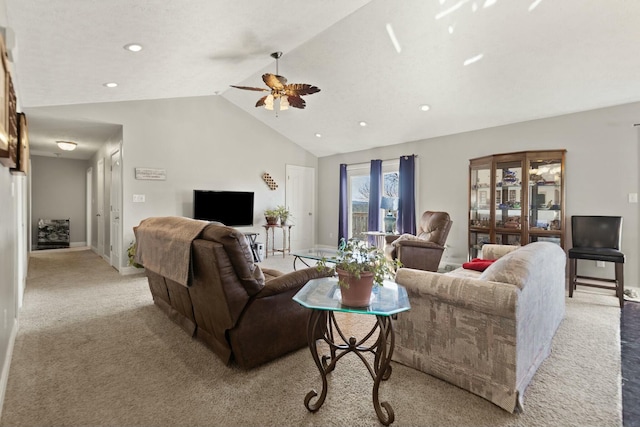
(138, 198)
(633, 197)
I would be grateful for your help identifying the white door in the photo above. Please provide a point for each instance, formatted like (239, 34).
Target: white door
(115, 202)
(22, 239)
(100, 206)
(89, 202)
(300, 196)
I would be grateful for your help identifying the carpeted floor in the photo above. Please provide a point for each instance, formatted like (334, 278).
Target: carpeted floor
(630, 348)
(92, 349)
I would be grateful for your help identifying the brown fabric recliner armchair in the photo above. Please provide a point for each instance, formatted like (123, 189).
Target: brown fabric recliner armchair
(424, 250)
(240, 311)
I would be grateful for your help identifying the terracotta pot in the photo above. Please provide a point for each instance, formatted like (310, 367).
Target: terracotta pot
(358, 294)
(271, 220)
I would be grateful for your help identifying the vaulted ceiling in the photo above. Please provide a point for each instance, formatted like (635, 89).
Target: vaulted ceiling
(476, 64)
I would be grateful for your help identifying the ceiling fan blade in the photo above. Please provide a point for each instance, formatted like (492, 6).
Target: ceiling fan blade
(299, 89)
(261, 102)
(257, 89)
(274, 81)
(296, 101)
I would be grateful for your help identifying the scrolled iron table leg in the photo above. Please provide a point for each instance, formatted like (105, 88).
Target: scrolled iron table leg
(383, 369)
(315, 318)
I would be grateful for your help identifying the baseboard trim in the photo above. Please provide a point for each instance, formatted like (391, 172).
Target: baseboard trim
(4, 378)
(125, 271)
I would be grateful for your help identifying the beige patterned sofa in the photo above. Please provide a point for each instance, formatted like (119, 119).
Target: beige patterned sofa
(486, 332)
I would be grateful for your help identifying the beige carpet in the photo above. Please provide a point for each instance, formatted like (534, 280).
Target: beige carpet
(92, 349)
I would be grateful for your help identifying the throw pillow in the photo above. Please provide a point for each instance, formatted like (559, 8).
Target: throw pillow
(478, 264)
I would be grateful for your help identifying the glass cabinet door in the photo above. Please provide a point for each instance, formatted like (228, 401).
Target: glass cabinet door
(545, 199)
(509, 196)
(481, 196)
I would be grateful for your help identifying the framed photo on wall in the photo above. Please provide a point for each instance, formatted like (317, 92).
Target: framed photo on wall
(23, 144)
(4, 99)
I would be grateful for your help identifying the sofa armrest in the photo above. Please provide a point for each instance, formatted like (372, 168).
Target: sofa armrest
(492, 298)
(390, 239)
(293, 280)
(419, 244)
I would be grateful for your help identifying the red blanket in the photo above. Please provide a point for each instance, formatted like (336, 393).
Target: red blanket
(478, 264)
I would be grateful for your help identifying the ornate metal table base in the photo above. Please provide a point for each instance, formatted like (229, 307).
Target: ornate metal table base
(324, 321)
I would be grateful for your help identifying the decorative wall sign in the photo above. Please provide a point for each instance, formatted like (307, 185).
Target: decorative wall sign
(151, 174)
(269, 181)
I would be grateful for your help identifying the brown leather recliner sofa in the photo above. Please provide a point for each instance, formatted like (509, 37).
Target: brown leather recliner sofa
(242, 312)
(424, 250)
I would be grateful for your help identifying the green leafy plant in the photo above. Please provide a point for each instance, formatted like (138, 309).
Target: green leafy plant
(131, 254)
(356, 257)
(283, 213)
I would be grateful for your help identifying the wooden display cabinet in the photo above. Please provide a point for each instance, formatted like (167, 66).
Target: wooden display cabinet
(516, 198)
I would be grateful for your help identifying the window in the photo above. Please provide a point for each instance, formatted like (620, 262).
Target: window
(358, 184)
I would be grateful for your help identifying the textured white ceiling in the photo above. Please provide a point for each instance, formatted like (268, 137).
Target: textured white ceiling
(533, 59)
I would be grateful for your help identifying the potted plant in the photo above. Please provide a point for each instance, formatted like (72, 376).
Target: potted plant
(131, 254)
(271, 215)
(283, 214)
(359, 268)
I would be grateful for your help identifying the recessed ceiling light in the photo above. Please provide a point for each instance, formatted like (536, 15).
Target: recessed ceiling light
(111, 84)
(133, 47)
(425, 107)
(363, 124)
(318, 135)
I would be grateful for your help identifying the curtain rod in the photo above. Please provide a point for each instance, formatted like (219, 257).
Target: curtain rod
(384, 160)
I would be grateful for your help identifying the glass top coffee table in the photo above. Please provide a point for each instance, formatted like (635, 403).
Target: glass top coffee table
(322, 297)
(314, 254)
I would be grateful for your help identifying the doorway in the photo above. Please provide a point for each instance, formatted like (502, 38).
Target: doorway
(115, 201)
(89, 203)
(100, 208)
(300, 198)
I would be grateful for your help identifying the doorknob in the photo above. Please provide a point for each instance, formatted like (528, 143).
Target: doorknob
(117, 217)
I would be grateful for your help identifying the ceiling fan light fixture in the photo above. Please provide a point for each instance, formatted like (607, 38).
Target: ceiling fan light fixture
(66, 145)
(284, 103)
(268, 102)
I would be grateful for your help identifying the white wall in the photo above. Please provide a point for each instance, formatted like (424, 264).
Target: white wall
(202, 143)
(601, 170)
(59, 192)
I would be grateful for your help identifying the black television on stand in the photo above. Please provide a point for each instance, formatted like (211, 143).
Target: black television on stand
(232, 208)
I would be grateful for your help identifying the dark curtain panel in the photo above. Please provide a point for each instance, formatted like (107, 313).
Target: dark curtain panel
(375, 196)
(343, 206)
(407, 201)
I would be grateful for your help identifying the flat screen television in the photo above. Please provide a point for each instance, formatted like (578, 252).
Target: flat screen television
(232, 208)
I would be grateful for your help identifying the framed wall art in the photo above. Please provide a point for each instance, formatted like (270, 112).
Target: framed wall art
(23, 145)
(4, 100)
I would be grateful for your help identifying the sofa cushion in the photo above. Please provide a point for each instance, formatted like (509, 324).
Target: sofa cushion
(237, 248)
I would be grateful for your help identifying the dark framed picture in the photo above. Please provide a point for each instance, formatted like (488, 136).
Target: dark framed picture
(4, 100)
(23, 144)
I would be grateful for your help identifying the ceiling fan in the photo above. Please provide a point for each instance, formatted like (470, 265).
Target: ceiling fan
(289, 94)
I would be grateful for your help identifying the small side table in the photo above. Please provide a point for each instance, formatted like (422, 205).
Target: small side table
(380, 238)
(322, 296)
(286, 239)
(251, 239)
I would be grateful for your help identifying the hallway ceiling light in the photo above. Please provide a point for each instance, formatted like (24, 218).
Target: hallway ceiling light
(66, 145)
